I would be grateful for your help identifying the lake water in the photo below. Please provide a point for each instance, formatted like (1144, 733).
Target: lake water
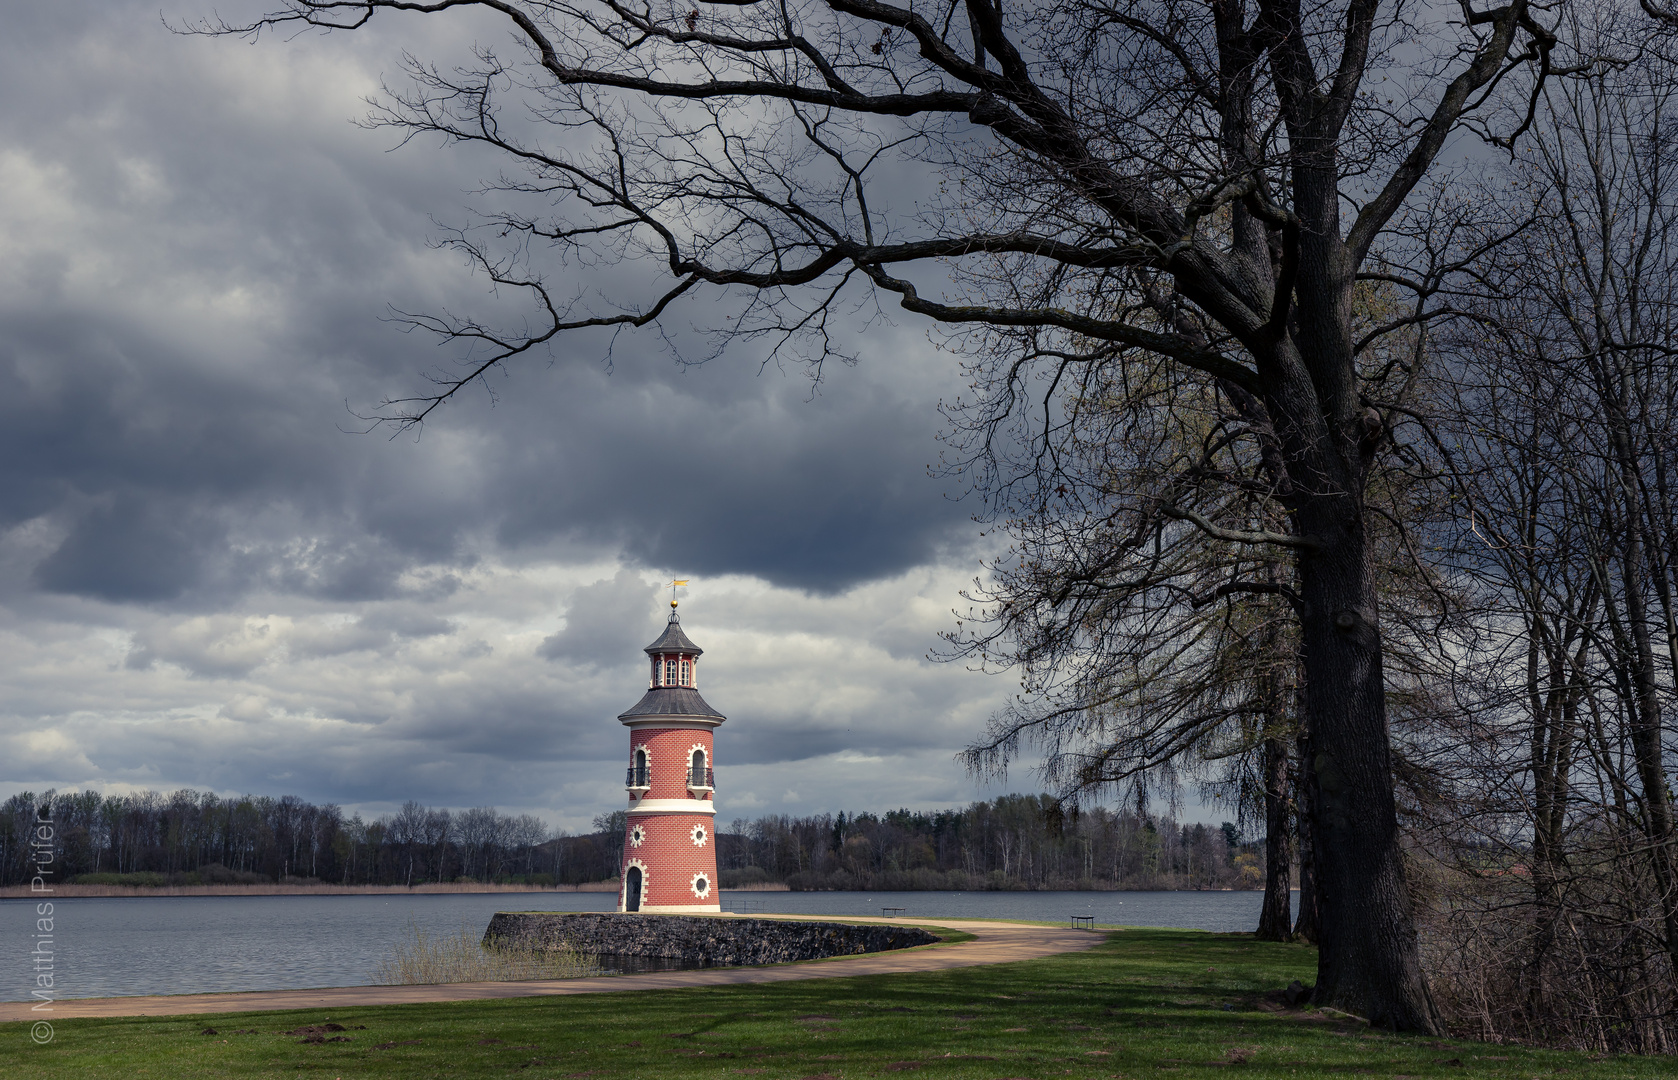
(195, 944)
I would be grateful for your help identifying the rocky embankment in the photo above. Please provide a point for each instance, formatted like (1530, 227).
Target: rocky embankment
(698, 939)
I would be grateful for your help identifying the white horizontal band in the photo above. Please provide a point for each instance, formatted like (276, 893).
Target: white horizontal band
(673, 806)
(679, 909)
(669, 722)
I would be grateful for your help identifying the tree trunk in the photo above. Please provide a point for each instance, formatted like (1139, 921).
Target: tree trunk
(1276, 915)
(1307, 924)
(1368, 962)
(1646, 726)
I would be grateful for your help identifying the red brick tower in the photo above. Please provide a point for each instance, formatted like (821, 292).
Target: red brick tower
(670, 850)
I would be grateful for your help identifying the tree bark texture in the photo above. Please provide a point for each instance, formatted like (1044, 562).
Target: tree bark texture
(1276, 916)
(1307, 922)
(1368, 962)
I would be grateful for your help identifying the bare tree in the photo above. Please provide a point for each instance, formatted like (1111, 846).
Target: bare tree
(437, 831)
(1140, 666)
(408, 829)
(1563, 925)
(477, 831)
(1149, 650)
(1200, 182)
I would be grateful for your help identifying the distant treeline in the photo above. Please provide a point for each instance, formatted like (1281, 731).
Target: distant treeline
(196, 837)
(1014, 842)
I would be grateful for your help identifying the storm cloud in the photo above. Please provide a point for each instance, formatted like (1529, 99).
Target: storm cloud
(210, 575)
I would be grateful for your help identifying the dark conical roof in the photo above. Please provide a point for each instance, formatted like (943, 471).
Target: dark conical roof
(673, 640)
(672, 701)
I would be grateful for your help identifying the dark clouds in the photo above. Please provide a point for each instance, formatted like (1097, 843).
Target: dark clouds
(185, 348)
(606, 623)
(206, 579)
(129, 548)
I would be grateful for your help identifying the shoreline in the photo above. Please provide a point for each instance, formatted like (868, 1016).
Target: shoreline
(23, 892)
(67, 891)
(991, 942)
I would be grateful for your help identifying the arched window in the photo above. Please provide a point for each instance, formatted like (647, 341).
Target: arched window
(687, 673)
(670, 672)
(698, 775)
(638, 775)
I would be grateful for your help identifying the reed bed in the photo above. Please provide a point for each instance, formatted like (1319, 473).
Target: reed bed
(461, 956)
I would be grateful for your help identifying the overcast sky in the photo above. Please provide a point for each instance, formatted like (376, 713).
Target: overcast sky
(206, 582)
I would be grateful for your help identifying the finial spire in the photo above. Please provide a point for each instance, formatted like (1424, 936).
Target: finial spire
(674, 584)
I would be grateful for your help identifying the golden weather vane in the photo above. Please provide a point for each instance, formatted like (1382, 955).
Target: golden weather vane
(678, 582)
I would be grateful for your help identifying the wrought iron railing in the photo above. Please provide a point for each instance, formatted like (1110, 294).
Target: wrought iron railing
(640, 777)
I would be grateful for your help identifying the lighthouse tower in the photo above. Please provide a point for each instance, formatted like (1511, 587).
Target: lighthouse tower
(670, 848)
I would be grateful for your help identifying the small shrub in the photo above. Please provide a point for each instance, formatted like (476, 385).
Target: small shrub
(144, 879)
(746, 875)
(462, 956)
(217, 874)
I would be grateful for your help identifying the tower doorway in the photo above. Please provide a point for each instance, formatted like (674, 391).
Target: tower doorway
(632, 889)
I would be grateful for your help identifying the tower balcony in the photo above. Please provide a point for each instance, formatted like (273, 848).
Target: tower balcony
(639, 778)
(701, 780)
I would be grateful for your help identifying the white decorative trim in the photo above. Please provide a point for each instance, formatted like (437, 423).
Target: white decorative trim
(623, 887)
(673, 806)
(637, 836)
(637, 791)
(702, 893)
(700, 834)
(671, 722)
(713, 908)
(698, 748)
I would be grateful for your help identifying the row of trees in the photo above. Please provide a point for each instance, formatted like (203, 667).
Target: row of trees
(1013, 842)
(1553, 740)
(192, 836)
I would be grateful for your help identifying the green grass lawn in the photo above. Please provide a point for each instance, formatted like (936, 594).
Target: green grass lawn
(1147, 1002)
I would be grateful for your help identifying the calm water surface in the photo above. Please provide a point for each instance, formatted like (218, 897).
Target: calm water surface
(196, 944)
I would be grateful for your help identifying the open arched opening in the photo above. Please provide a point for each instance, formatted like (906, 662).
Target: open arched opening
(632, 889)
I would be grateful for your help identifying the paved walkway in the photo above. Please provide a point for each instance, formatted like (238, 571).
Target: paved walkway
(995, 943)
